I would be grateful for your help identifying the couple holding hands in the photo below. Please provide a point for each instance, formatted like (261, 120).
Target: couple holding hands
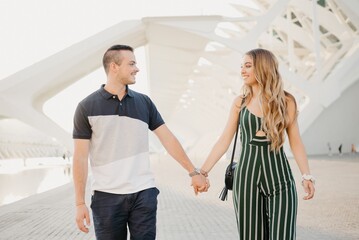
(111, 130)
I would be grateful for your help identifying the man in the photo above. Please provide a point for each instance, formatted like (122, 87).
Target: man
(111, 129)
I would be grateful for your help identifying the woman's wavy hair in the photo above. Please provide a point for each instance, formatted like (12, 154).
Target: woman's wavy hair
(272, 96)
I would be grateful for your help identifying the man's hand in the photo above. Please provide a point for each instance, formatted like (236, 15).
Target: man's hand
(200, 183)
(82, 216)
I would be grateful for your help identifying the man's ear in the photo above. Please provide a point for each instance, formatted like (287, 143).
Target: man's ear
(113, 67)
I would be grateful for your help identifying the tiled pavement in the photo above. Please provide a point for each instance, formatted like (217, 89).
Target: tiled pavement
(333, 214)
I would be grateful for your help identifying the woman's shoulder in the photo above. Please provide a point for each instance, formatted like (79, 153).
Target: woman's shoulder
(292, 109)
(288, 96)
(290, 100)
(238, 101)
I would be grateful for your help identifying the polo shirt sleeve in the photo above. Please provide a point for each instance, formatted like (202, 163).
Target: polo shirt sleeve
(82, 128)
(155, 117)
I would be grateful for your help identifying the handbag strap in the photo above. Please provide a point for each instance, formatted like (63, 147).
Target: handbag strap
(235, 138)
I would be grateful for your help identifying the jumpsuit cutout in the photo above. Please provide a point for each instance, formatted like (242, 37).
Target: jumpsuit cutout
(264, 192)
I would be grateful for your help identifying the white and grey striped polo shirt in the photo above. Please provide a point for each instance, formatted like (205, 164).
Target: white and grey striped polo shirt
(119, 143)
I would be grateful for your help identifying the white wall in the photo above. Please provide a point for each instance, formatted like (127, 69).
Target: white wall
(338, 124)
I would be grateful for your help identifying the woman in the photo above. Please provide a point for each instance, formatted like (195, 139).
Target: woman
(264, 192)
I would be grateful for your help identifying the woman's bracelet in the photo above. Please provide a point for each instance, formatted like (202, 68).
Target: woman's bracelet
(79, 204)
(308, 178)
(204, 173)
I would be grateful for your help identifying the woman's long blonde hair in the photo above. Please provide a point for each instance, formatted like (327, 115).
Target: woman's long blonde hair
(272, 96)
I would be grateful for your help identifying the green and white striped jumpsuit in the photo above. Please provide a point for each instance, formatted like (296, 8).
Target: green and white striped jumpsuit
(264, 192)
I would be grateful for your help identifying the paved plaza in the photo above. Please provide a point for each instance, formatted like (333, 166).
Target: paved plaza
(332, 215)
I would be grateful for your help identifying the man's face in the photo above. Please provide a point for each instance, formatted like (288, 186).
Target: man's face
(126, 71)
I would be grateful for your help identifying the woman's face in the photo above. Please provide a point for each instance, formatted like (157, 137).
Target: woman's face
(247, 71)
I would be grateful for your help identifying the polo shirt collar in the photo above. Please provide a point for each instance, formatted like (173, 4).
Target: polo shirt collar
(129, 91)
(108, 95)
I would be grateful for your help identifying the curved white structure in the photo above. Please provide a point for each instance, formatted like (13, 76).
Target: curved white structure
(194, 66)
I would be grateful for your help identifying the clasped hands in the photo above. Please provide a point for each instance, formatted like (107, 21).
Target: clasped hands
(200, 183)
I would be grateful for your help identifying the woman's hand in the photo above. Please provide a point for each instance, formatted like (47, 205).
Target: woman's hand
(200, 184)
(309, 189)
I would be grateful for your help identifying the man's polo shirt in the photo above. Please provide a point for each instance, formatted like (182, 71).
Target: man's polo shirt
(119, 142)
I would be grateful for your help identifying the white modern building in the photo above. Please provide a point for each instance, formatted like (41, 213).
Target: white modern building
(193, 69)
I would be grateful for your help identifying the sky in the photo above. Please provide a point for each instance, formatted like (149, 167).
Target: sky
(32, 30)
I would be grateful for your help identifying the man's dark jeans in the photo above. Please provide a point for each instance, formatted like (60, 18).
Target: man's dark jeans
(112, 213)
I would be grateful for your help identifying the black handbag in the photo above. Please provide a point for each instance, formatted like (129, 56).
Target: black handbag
(228, 176)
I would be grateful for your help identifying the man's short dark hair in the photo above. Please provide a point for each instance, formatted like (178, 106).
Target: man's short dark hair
(111, 55)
